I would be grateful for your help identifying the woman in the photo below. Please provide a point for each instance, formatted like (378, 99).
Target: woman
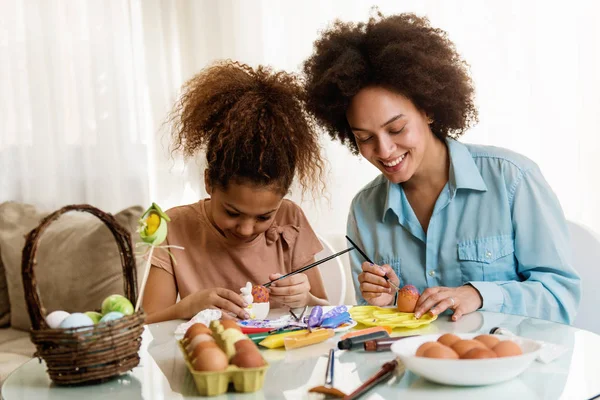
(472, 227)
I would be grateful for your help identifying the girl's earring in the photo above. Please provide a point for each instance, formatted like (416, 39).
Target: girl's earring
(429, 121)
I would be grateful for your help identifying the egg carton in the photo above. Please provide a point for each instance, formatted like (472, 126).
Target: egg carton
(214, 383)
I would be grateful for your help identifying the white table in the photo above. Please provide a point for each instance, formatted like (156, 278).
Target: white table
(162, 373)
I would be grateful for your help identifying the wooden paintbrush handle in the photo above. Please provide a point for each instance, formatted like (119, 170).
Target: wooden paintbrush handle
(386, 370)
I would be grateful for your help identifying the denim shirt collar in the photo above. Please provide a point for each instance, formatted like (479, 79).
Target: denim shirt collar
(463, 174)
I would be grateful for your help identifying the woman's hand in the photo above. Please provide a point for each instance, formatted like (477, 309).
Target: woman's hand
(463, 300)
(229, 302)
(373, 286)
(293, 291)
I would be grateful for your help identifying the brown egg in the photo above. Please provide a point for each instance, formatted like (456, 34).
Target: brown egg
(196, 329)
(507, 348)
(407, 299)
(463, 346)
(425, 346)
(440, 351)
(248, 359)
(229, 323)
(200, 347)
(478, 352)
(202, 337)
(489, 340)
(211, 359)
(448, 339)
(244, 345)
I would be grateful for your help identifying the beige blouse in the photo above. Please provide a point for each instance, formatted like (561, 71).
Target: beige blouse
(210, 260)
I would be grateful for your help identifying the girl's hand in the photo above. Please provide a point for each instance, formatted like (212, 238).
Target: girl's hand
(293, 291)
(374, 288)
(463, 300)
(229, 302)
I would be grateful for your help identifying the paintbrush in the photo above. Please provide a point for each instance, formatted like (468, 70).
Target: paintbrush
(328, 389)
(308, 266)
(362, 253)
(387, 370)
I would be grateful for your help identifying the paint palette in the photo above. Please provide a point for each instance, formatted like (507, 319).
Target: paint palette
(379, 316)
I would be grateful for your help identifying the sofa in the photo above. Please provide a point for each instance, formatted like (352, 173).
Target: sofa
(78, 265)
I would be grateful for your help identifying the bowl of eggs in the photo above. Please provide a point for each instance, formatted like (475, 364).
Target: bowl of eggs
(466, 359)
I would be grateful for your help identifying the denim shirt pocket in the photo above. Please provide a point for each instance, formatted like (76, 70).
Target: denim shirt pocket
(487, 259)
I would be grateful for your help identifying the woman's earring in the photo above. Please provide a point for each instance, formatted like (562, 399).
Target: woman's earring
(429, 121)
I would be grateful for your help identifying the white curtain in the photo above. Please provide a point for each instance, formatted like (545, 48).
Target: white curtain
(86, 89)
(73, 123)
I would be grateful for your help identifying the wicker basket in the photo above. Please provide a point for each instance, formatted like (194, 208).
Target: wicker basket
(76, 356)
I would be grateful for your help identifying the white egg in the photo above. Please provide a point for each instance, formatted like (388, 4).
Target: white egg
(203, 337)
(76, 320)
(55, 318)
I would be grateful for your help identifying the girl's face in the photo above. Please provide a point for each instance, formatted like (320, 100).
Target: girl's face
(390, 132)
(242, 211)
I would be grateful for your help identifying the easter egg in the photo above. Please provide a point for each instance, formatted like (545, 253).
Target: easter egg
(260, 294)
(426, 346)
(201, 347)
(489, 340)
(196, 340)
(245, 345)
(407, 299)
(211, 359)
(196, 329)
(111, 316)
(478, 352)
(507, 348)
(248, 359)
(119, 303)
(448, 339)
(440, 351)
(55, 318)
(232, 335)
(95, 316)
(464, 345)
(76, 320)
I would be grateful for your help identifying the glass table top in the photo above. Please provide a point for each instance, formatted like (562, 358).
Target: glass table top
(162, 373)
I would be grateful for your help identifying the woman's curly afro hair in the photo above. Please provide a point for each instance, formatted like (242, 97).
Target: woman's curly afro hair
(253, 125)
(401, 53)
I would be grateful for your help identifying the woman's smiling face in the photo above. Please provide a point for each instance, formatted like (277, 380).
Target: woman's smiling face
(390, 132)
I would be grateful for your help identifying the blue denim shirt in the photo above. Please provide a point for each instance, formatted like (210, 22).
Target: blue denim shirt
(496, 224)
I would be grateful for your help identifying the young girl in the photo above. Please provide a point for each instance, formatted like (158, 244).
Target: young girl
(257, 136)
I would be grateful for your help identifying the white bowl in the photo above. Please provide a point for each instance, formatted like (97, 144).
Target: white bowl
(465, 372)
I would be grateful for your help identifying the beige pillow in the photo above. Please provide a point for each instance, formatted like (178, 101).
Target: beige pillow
(78, 262)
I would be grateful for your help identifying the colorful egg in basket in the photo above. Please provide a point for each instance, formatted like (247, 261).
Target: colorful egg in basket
(231, 357)
(74, 355)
